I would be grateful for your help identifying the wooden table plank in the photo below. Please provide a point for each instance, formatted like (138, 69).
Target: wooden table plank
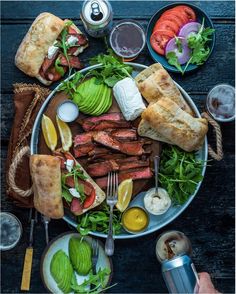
(219, 62)
(208, 221)
(122, 9)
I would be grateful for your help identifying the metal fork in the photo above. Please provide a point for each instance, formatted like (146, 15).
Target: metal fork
(95, 255)
(46, 220)
(112, 197)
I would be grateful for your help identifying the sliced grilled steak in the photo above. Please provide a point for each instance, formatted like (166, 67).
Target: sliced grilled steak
(141, 173)
(123, 134)
(129, 148)
(105, 124)
(102, 157)
(103, 168)
(73, 60)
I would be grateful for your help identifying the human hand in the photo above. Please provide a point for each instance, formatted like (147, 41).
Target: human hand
(205, 284)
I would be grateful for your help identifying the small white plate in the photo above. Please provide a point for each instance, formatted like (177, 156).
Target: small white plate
(62, 242)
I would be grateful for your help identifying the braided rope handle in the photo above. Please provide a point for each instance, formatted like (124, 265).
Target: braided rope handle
(12, 172)
(218, 155)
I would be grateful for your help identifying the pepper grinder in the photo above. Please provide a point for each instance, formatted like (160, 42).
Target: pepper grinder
(173, 250)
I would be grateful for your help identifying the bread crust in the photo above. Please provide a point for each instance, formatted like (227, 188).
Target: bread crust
(154, 83)
(34, 47)
(46, 176)
(176, 125)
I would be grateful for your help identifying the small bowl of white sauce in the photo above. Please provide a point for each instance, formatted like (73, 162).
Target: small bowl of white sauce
(220, 103)
(157, 204)
(68, 111)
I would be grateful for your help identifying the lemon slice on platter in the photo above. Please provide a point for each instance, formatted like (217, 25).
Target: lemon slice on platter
(49, 132)
(65, 134)
(125, 191)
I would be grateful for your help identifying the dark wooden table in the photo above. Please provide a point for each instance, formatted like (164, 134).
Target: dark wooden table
(208, 221)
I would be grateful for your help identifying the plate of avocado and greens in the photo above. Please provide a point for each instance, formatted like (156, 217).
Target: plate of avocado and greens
(66, 266)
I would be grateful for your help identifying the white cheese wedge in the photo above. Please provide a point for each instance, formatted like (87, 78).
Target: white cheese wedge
(74, 192)
(128, 98)
(51, 51)
(72, 40)
(69, 164)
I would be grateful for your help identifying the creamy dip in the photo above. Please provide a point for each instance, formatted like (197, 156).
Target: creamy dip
(157, 204)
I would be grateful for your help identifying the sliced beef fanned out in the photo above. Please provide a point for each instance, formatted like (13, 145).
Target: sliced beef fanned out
(100, 158)
(114, 116)
(105, 124)
(98, 151)
(103, 168)
(136, 174)
(129, 148)
(122, 134)
(83, 150)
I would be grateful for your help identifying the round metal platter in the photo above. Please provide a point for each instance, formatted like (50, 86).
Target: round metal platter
(156, 222)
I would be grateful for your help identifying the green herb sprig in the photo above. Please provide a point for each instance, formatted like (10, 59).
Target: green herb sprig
(76, 173)
(98, 220)
(180, 172)
(97, 281)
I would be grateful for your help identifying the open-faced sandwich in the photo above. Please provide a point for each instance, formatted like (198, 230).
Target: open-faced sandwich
(60, 176)
(49, 48)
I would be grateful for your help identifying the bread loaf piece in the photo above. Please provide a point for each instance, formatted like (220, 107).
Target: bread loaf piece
(155, 83)
(170, 124)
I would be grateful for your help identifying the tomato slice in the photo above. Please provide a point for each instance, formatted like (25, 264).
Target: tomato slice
(159, 39)
(172, 18)
(181, 16)
(72, 31)
(187, 11)
(166, 25)
(89, 199)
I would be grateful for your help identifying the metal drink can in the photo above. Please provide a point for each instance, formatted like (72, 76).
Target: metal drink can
(97, 16)
(180, 275)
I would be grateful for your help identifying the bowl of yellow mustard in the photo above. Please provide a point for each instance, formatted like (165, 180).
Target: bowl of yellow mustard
(135, 219)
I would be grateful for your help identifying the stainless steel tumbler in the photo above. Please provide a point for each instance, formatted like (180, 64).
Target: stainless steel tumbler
(173, 250)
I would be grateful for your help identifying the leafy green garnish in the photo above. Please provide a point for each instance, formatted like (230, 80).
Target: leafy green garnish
(180, 172)
(99, 221)
(59, 68)
(112, 68)
(173, 60)
(76, 173)
(97, 281)
(178, 44)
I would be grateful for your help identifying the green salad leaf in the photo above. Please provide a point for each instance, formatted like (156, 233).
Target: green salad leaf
(173, 60)
(98, 220)
(59, 68)
(180, 172)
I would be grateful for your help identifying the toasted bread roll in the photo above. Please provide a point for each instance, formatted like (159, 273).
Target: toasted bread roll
(46, 176)
(175, 125)
(154, 83)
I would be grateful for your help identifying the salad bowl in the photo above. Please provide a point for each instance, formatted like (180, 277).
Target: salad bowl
(200, 15)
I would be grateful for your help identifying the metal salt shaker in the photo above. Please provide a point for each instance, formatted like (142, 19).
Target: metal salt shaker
(173, 250)
(97, 16)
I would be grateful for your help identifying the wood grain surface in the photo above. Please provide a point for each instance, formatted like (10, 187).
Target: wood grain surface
(208, 221)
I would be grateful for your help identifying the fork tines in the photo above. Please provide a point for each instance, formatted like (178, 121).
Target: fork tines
(112, 185)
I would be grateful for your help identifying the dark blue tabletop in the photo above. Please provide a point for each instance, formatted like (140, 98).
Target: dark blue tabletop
(208, 221)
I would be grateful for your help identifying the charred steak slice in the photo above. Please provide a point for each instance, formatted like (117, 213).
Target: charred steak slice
(136, 174)
(129, 148)
(103, 168)
(123, 134)
(105, 124)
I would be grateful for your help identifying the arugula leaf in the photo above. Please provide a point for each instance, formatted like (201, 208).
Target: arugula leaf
(66, 194)
(59, 68)
(99, 220)
(173, 60)
(180, 172)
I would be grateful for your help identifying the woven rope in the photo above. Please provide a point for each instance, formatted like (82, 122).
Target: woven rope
(218, 155)
(12, 172)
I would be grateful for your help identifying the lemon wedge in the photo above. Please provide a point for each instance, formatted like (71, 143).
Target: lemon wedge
(65, 134)
(125, 191)
(49, 132)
